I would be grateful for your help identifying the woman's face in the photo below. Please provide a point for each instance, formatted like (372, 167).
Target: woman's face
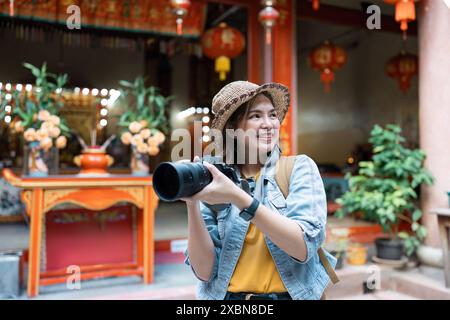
(262, 120)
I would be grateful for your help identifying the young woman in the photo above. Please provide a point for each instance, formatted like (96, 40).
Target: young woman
(262, 246)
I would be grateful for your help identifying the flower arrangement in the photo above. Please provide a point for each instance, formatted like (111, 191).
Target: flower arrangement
(35, 113)
(48, 134)
(144, 121)
(143, 139)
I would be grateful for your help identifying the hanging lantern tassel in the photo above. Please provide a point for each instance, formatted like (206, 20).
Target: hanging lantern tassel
(179, 26)
(222, 66)
(268, 17)
(405, 11)
(180, 9)
(316, 5)
(11, 8)
(327, 77)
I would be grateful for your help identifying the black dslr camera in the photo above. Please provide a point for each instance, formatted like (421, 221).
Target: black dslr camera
(175, 180)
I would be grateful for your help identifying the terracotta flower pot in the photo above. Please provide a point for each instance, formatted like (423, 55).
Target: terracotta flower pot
(93, 160)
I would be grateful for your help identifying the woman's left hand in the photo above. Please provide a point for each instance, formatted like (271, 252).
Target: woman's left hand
(220, 190)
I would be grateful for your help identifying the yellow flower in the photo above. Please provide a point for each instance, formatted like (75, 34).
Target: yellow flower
(54, 132)
(46, 143)
(18, 126)
(126, 138)
(61, 142)
(43, 115)
(135, 127)
(153, 151)
(146, 133)
(30, 134)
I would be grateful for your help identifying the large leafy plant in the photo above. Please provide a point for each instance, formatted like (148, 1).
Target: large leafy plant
(384, 190)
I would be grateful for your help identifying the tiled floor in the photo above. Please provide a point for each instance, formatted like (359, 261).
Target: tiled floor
(175, 280)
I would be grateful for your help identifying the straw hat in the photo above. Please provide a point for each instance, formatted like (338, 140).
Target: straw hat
(236, 93)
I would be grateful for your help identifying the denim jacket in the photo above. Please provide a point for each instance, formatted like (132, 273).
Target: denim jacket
(306, 205)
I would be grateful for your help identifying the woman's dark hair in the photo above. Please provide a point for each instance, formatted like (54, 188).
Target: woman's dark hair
(235, 119)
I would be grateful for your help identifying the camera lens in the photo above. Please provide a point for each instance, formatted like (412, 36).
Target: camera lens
(173, 181)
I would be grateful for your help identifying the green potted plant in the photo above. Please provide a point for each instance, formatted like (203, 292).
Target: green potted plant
(384, 191)
(144, 122)
(35, 113)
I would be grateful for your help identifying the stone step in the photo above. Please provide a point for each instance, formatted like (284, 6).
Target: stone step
(351, 280)
(418, 285)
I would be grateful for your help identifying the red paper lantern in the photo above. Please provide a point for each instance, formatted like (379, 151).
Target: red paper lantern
(405, 11)
(327, 58)
(222, 43)
(402, 67)
(180, 9)
(268, 17)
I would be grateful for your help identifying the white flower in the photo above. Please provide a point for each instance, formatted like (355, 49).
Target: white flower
(153, 150)
(42, 134)
(160, 137)
(55, 132)
(126, 138)
(136, 139)
(46, 143)
(55, 120)
(43, 115)
(135, 127)
(142, 148)
(47, 125)
(30, 134)
(146, 133)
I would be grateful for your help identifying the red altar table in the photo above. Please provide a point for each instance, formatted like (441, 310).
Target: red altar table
(40, 195)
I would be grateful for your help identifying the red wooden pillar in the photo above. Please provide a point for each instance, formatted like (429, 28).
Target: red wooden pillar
(285, 69)
(254, 43)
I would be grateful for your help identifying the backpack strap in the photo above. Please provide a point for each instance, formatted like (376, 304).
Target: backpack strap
(283, 172)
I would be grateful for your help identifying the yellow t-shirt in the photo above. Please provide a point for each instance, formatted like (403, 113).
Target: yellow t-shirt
(255, 270)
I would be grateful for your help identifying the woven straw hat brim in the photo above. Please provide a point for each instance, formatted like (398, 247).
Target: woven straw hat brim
(278, 92)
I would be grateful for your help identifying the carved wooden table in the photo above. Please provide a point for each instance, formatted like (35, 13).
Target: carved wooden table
(443, 215)
(94, 193)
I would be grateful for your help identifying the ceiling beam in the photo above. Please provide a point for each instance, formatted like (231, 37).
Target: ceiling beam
(348, 17)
